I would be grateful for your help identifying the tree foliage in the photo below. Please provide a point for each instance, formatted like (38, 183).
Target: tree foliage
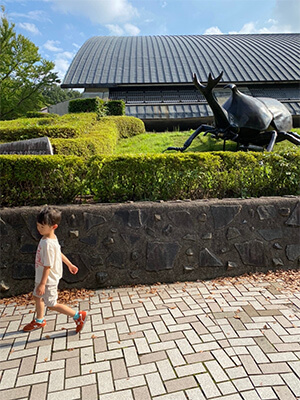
(55, 94)
(24, 74)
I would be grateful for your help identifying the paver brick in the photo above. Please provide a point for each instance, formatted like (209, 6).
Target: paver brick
(130, 382)
(284, 393)
(142, 369)
(56, 381)
(141, 393)
(71, 394)
(208, 386)
(266, 380)
(17, 393)
(89, 392)
(155, 384)
(39, 391)
(32, 379)
(176, 385)
(164, 344)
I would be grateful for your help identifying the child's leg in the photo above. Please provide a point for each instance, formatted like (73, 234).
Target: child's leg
(40, 307)
(51, 302)
(63, 309)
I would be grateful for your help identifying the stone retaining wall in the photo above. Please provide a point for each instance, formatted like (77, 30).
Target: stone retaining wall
(149, 242)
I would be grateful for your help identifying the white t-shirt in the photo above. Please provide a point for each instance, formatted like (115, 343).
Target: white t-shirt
(48, 254)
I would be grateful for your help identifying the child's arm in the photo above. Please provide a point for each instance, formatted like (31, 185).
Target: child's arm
(40, 290)
(72, 268)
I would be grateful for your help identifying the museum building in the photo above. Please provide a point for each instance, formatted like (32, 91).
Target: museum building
(153, 74)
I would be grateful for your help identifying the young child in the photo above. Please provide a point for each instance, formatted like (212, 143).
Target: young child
(48, 271)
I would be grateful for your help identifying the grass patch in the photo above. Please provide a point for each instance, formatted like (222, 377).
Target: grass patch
(155, 143)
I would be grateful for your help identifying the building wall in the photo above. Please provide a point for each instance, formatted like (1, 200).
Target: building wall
(149, 242)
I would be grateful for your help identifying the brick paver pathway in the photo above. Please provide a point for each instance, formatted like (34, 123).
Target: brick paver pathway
(166, 342)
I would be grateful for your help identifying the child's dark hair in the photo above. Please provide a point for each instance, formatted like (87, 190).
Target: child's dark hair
(49, 216)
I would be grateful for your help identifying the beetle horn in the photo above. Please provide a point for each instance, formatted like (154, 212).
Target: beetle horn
(211, 83)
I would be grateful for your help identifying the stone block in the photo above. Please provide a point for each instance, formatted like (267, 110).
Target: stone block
(293, 251)
(252, 252)
(224, 215)
(23, 271)
(83, 270)
(161, 255)
(92, 220)
(208, 259)
(294, 219)
(271, 234)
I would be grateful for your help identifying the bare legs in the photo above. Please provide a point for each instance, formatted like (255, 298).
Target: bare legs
(40, 307)
(60, 308)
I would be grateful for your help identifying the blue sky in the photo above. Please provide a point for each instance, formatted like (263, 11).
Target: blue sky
(60, 27)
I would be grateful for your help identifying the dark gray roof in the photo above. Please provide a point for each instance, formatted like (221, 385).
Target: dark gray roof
(107, 61)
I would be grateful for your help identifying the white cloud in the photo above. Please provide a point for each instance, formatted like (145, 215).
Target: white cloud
(36, 15)
(127, 29)
(62, 61)
(29, 28)
(214, 30)
(100, 11)
(115, 30)
(132, 30)
(284, 18)
(51, 45)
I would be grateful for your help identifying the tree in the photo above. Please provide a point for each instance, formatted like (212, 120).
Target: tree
(55, 94)
(24, 74)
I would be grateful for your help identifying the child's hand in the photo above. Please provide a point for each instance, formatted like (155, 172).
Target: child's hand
(40, 290)
(73, 269)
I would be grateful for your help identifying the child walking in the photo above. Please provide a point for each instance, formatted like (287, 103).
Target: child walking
(48, 272)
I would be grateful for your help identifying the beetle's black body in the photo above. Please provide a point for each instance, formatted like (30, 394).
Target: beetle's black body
(244, 119)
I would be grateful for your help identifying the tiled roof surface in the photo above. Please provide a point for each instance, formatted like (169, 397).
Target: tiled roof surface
(105, 61)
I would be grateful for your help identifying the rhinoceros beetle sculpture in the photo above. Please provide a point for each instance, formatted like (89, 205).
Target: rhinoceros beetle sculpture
(246, 120)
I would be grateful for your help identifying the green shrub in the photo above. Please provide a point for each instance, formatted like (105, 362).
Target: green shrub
(115, 107)
(128, 126)
(35, 180)
(101, 139)
(39, 114)
(193, 176)
(94, 104)
(84, 130)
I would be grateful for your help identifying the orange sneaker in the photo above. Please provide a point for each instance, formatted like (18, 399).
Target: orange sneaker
(33, 325)
(80, 321)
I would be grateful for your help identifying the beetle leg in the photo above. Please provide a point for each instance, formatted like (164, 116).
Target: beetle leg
(206, 128)
(272, 141)
(291, 137)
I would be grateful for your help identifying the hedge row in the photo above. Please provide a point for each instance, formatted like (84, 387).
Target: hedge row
(97, 105)
(34, 180)
(67, 126)
(74, 134)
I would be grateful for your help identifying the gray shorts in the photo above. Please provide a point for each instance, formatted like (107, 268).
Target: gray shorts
(50, 296)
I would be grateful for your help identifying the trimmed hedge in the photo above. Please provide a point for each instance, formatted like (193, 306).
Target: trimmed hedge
(86, 105)
(35, 180)
(101, 139)
(74, 134)
(39, 114)
(128, 126)
(115, 107)
(67, 126)
(95, 104)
